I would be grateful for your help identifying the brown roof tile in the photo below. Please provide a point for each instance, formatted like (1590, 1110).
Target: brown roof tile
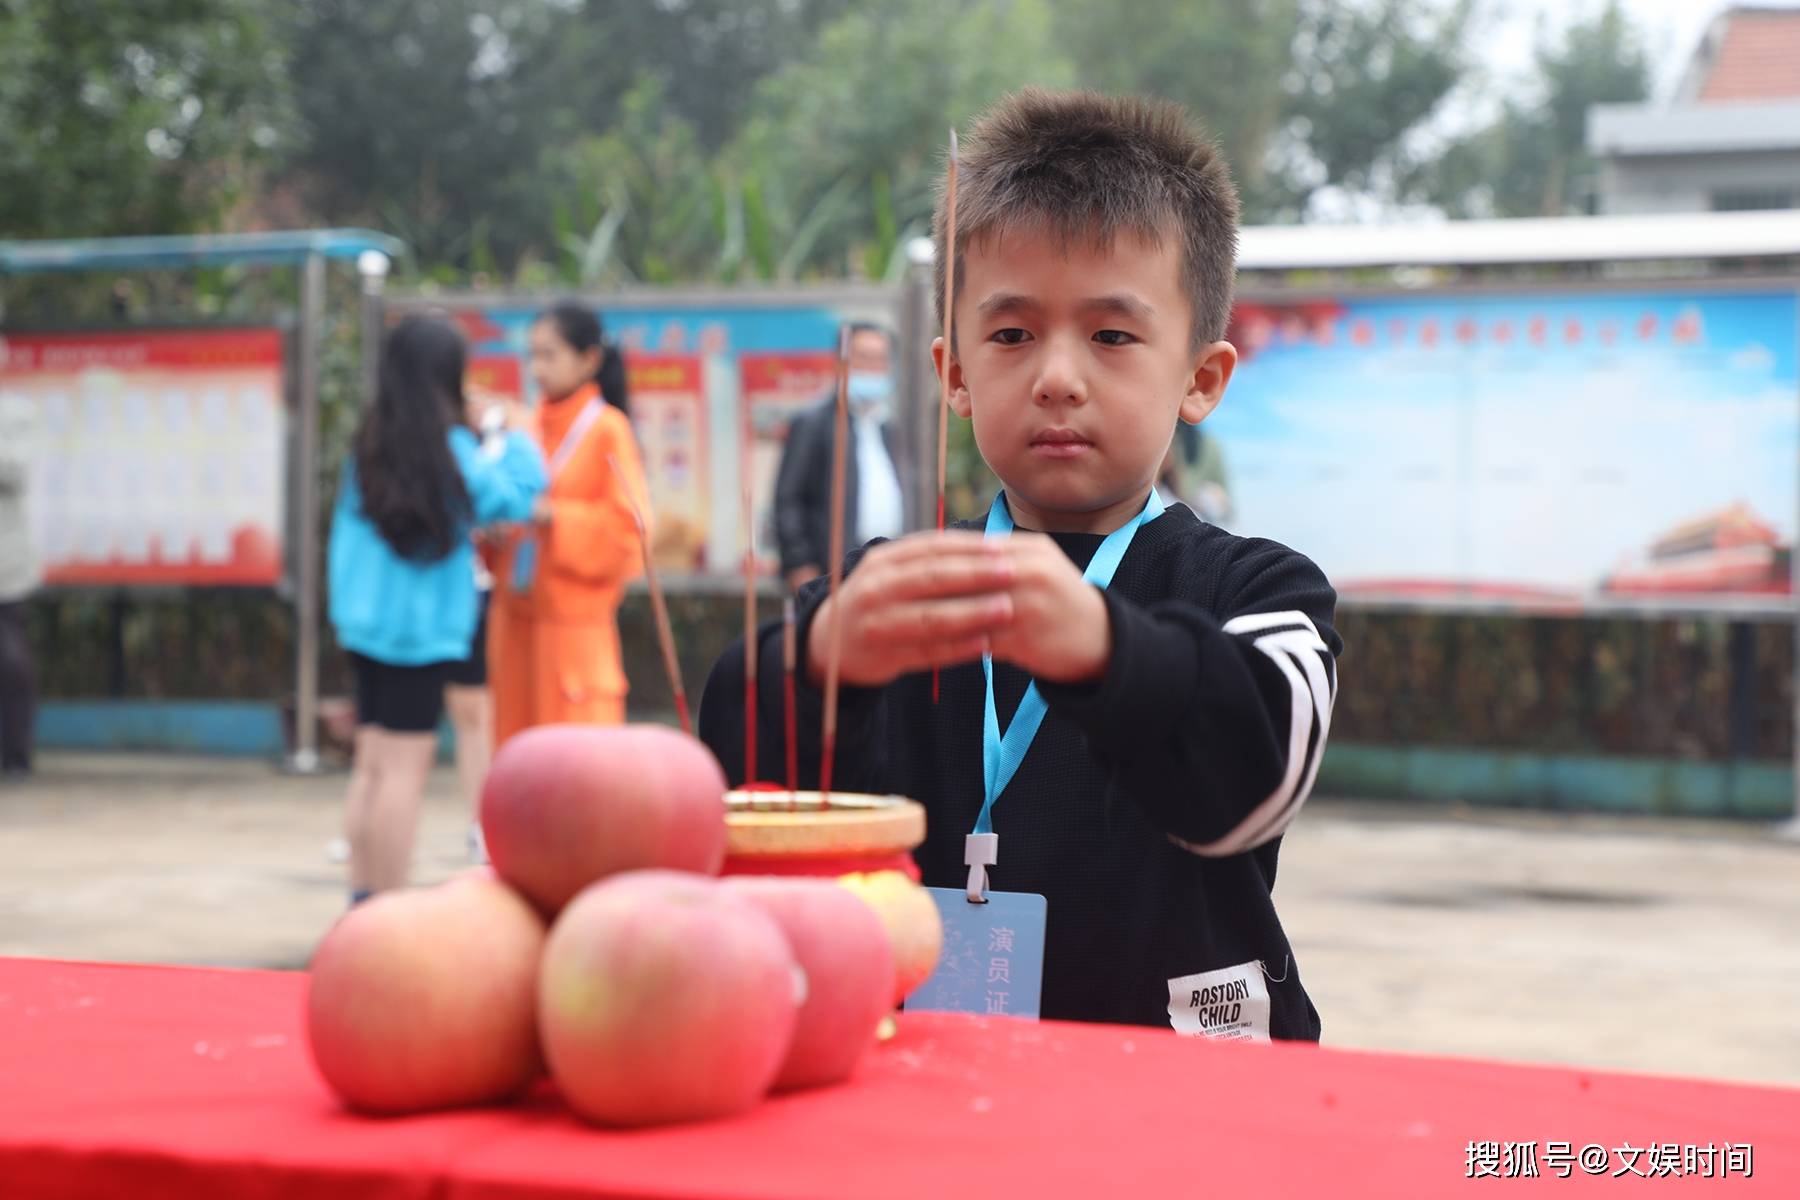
(1758, 57)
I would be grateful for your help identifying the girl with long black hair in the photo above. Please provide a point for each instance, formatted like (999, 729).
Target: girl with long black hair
(402, 576)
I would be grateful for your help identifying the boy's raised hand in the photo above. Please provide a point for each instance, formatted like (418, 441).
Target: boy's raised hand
(926, 600)
(1060, 631)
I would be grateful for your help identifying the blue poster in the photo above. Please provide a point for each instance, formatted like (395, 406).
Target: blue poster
(1541, 447)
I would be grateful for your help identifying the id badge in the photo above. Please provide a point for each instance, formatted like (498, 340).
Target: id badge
(993, 958)
(524, 564)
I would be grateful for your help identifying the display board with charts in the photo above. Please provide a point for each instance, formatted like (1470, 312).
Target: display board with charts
(157, 454)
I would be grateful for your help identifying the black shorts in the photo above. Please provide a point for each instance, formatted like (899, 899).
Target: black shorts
(472, 671)
(398, 699)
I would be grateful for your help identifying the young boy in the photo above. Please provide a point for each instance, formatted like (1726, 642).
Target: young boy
(1188, 696)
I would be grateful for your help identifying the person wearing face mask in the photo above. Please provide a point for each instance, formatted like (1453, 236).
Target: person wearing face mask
(874, 506)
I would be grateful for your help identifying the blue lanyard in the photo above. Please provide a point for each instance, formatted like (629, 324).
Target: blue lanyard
(1000, 757)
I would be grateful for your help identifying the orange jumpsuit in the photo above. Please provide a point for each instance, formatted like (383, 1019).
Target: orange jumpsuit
(553, 649)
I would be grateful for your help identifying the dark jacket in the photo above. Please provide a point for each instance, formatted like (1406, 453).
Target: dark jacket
(803, 488)
(1150, 805)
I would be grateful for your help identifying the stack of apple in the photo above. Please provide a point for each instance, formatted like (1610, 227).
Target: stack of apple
(601, 946)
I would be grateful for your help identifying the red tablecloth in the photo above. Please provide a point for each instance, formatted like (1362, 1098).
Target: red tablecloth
(149, 1082)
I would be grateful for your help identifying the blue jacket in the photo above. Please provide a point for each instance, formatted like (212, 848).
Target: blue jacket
(406, 613)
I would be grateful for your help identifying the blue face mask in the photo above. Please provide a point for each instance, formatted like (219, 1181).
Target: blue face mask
(868, 388)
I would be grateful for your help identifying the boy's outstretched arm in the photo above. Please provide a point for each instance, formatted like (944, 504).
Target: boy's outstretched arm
(1215, 724)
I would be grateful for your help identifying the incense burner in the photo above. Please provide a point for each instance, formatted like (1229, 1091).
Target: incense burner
(778, 832)
(863, 841)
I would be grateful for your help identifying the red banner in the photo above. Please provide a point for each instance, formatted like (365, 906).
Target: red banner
(775, 387)
(53, 353)
(494, 379)
(668, 412)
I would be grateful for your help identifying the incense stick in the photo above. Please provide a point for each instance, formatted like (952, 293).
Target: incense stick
(943, 446)
(664, 633)
(834, 656)
(788, 656)
(749, 636)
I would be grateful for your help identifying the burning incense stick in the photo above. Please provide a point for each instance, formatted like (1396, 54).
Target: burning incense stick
(749, 636)
(944, 375)
(664, 633)
(788, 657)
(834, 656)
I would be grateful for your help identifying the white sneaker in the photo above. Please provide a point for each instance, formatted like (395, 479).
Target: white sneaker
(337, 850)
(477, 844)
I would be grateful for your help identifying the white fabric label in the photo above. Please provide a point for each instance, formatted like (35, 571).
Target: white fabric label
(1230, 1004)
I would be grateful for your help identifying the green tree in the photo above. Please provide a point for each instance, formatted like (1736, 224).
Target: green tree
(846, 143)
(463, 125)
(1360, 80)
(1223, 59)
(131, 116)
(640, 202)
(1532, 160)
(840, 149)
(419, 116)
(705, 57)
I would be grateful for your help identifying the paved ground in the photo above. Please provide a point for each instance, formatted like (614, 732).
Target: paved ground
(1650, 946)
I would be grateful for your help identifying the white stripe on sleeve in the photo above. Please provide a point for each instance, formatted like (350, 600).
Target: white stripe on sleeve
(1292, 643)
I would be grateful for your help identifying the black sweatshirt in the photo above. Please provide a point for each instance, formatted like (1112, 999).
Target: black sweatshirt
(1149, 808)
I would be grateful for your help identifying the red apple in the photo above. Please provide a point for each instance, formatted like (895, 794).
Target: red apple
(912, 920)
(841, 944)
(567, 805)
(427, 999)
(664, 997)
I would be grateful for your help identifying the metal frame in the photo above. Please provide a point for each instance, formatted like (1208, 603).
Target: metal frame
(306, 550)
(76, 255)
(766, 295)
(1785, 281)
(1520, 242)
(309, 250)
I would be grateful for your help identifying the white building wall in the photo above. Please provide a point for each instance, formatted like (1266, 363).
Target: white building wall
(1690, 182)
